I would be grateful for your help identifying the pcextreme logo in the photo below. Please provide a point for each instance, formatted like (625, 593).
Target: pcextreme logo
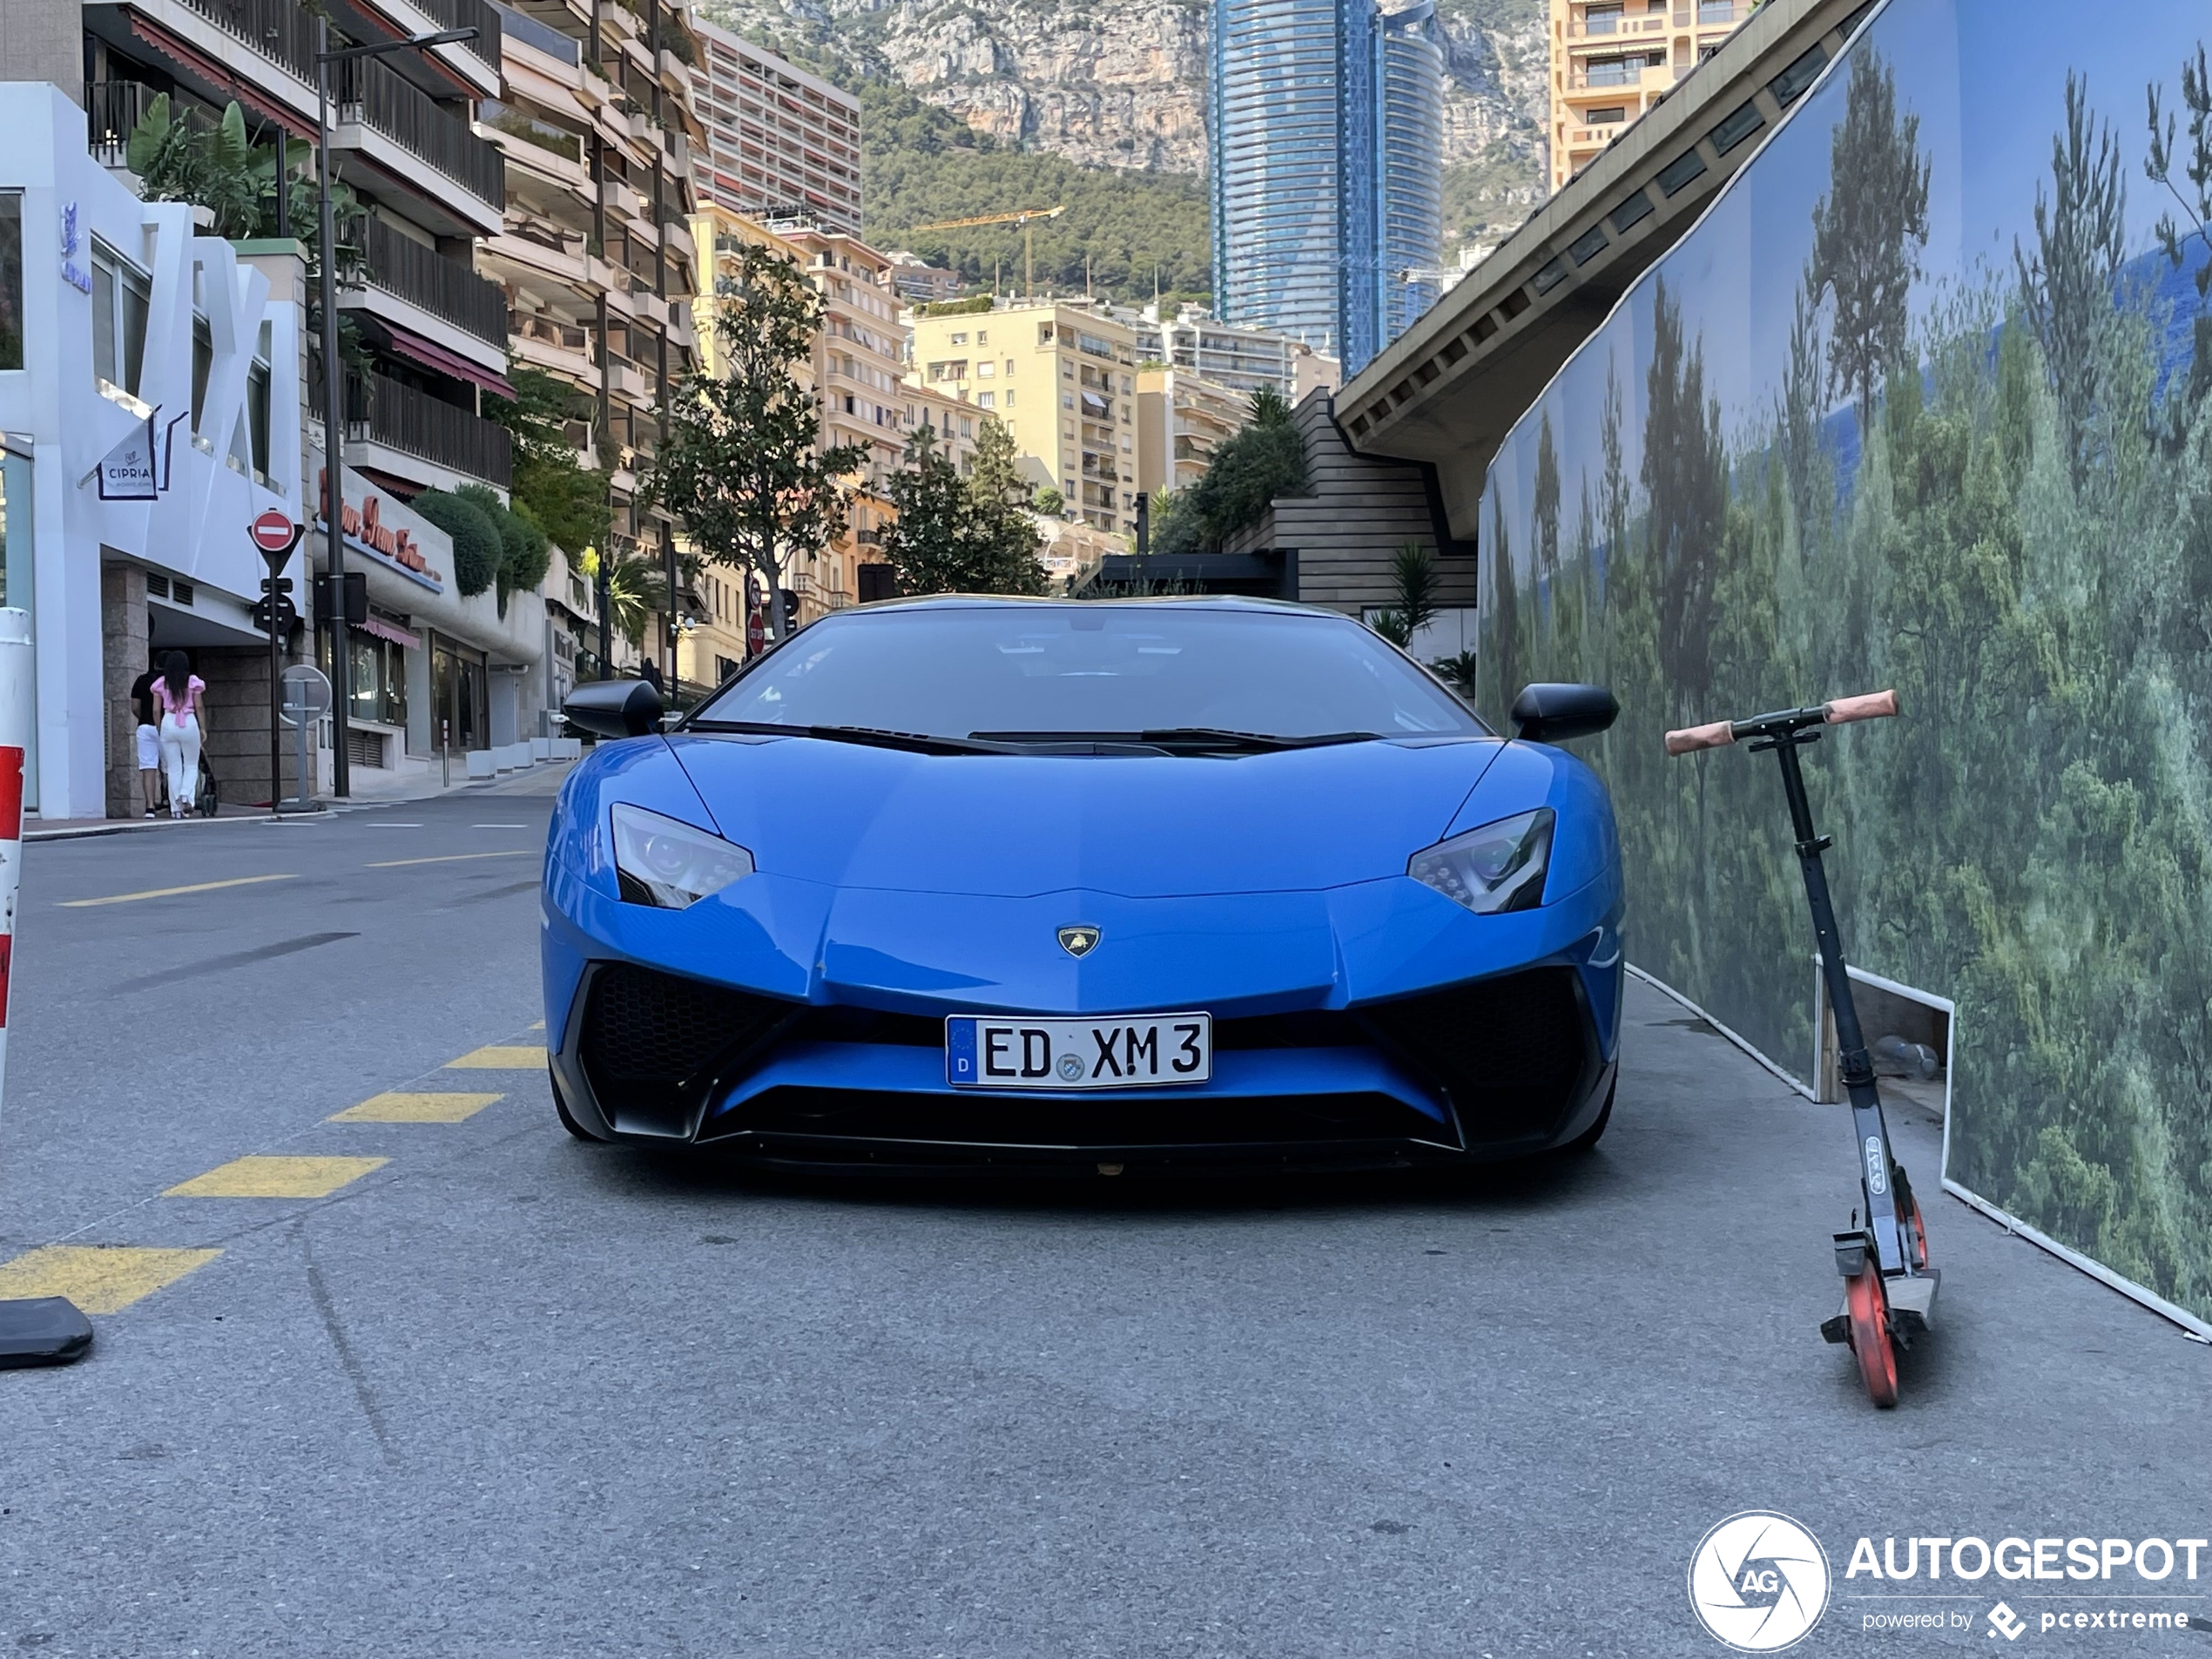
(1758, 1581)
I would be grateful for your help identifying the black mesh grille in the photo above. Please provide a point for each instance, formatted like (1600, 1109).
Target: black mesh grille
(1513, 1052)
(650, 1039)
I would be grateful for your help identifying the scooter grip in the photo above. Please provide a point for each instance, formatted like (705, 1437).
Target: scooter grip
(1718, 735)
(1875, 705)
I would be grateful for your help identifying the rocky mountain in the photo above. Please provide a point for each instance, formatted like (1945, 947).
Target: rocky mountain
(1121, 83)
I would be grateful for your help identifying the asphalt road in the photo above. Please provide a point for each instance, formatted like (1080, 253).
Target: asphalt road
(503, 1393)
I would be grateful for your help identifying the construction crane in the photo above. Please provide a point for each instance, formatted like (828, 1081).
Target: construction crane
(1023, 220)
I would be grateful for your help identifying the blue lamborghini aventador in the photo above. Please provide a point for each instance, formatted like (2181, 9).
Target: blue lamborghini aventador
(963, 882)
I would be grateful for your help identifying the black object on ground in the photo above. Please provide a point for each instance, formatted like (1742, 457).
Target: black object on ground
(41, 1331)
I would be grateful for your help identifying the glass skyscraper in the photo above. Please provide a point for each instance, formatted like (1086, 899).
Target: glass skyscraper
(1325, 128)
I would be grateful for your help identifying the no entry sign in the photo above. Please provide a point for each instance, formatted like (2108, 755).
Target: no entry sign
(273, 532)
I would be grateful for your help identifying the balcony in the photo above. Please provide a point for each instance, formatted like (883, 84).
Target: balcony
(280, 31)
(561, 347)
(1614, 25)
(1593, 76)
(113, 111)
(381, 410)
(373, 95)
(469, 14)
(447, 289)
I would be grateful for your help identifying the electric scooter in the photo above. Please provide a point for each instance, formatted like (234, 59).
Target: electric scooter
(1889, 1288)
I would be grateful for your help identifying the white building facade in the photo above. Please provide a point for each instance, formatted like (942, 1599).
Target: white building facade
(150, 402)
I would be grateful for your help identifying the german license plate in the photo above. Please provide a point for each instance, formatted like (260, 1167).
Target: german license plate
(990, 1052)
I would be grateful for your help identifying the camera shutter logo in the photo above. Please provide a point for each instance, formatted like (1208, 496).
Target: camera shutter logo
(1759, 1582)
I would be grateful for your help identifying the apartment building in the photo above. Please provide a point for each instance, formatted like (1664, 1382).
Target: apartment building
(859, 359)
(595, 255)
(1062, 375)
(1611, 60)
(1241, 356)
(855, 372)
(1182, 418)
(781, 143)
(431, 665)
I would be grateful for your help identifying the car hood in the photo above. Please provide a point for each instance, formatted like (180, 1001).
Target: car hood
(1144, 827)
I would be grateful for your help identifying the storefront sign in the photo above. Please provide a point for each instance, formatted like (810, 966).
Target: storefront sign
(73, 245)
(396, 545)
(138, 467)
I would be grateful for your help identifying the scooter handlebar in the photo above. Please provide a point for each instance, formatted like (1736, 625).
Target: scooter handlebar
(1874, 705)
(1718, 735)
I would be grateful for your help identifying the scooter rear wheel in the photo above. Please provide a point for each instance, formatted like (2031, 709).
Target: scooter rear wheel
(1870, 1334)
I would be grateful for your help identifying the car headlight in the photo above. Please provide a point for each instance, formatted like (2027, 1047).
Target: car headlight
(660, 861)
(1498, 867)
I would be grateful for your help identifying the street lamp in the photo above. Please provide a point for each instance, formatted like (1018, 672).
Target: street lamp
(334, 385)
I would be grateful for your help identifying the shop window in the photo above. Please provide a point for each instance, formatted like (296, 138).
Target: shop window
(10, 279)
(256, 417)
(121, 298)
(203, 363)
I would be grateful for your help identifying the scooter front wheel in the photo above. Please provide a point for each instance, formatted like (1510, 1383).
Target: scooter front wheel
(1870, 1334)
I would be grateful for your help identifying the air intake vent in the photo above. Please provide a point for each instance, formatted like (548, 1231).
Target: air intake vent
(1513, 1052)
(652, 1042)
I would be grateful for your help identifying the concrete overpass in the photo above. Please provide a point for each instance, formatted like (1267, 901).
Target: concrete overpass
(1446, 392)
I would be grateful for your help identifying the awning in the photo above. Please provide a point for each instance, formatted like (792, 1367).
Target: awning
(209, 70)
(383, 630)
(432, 355)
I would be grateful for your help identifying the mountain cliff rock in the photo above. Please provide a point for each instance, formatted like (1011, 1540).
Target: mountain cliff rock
(1121, 83)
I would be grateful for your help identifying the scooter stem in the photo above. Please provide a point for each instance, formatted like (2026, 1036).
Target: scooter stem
(1876, 1165)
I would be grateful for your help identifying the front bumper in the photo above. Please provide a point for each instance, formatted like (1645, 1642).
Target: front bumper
(1495, 1068)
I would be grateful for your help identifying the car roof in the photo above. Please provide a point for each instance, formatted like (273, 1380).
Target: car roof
(1008, 601)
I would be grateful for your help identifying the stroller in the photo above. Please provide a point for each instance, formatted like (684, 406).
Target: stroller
(207, 799)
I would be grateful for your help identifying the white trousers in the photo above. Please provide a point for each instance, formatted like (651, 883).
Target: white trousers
(180, 758)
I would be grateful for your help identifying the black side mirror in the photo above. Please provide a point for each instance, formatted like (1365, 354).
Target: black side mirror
(615, 708)
(1555, 712)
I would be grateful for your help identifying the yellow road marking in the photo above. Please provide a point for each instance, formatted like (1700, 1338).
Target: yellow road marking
(262, 1177)
(171, 892)
(454, 858)
(499, 1057)
(415, 1108)
(99, 1279)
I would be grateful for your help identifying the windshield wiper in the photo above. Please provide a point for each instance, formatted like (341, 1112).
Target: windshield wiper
(873, 736)
(1186, 737)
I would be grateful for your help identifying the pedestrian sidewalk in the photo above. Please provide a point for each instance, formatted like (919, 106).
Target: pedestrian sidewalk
(543, 779)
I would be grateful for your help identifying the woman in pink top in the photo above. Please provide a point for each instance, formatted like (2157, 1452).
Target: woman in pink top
(176, 695)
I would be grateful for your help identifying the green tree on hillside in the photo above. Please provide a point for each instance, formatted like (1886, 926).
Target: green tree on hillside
(1129, 230)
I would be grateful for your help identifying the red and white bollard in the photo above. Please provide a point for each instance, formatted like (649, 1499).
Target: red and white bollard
(47, 1329)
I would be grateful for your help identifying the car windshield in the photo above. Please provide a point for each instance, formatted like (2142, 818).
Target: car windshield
(1091, 670)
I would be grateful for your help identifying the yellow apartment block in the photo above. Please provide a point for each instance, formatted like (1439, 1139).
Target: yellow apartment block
(1062, 375)
(1611, 60)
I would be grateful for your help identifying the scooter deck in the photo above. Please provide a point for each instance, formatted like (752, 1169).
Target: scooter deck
(1912, 1297)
